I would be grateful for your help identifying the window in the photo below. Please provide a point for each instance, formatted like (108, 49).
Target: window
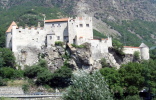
(53, 25)
(58, 37)
(50, 37)
(87, 25)
(59, 25)
(81, 25)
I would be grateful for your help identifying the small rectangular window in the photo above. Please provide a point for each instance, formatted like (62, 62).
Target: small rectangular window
(58, 37)
(53, 25)
(87, 25)
(81, 25)
(50, 37)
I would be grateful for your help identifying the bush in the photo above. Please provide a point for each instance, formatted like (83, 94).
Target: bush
(136, 55)
(78, 46)
(10, 73)
(6, 58)
(25, 88)
(2, 82)
(59, 43)
(104, 63)
(32, 72)
(88, 87)
(43, 63)
(135, 97)
(44, 78)
(61, 77)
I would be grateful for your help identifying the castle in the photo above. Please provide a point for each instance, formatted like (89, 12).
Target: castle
(70, 30)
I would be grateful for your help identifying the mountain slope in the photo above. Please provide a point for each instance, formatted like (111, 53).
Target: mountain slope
(131, 21)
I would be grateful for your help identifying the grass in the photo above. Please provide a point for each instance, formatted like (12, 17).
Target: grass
(16, 82)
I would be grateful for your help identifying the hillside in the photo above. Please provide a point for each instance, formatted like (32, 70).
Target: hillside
(131, 21)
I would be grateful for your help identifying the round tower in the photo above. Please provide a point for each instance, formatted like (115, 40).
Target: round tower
(144, 51)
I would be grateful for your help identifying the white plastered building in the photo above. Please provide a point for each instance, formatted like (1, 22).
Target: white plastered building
(142, 49)
(71, 30)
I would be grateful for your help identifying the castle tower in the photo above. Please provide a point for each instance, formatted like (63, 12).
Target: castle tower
(144, 51)
(9, 35)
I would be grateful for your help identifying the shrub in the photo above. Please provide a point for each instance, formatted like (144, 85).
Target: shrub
(59, 43)
(44, 78)
(43, 63)
(104, 63)
(78, 46)
(88, 87)
(136, 55)
(61, 77)
(25, 88)
(135, 97)
(33, 71)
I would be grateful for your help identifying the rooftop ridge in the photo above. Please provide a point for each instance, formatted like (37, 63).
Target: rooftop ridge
(10, 27)
(56, 20)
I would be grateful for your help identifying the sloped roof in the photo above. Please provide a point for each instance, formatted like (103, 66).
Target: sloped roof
(10, 27)
(57, 20)
(143, 45)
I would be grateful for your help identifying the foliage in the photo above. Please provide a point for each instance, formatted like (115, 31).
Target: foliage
(59, 43)
(135, 97)
(10, 73)
(113, 79)
(104, 63)
(132, 77)
(78, 46)
(25, 87)
(44, 78)
(33, 71)
(97, 34)
(118, 47)
(136, 55)
(133, 32)
(61, 77)
(88, 87)
(2, 38)
(43, 63)
(6, 57)
(153, 54)
(2, 82)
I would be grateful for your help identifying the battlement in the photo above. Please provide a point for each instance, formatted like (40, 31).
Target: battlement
(29, 28)
(80, 19)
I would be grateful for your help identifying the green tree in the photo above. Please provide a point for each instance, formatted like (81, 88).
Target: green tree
(10, 73)
(61, 77)
(2, 38)
(132, 77)
(113, 79)
(6, 57)
(33, 71)
(88, 87)
(44, 78)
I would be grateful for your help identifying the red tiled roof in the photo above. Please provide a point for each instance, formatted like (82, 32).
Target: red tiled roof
(81, 37)
(10, 27)
(57, 20)
(130, 47)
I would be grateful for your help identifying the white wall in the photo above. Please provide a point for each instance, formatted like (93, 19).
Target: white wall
(130, 50)
(27, 37)
(8, 40)
(58, 28)
(145, 53)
